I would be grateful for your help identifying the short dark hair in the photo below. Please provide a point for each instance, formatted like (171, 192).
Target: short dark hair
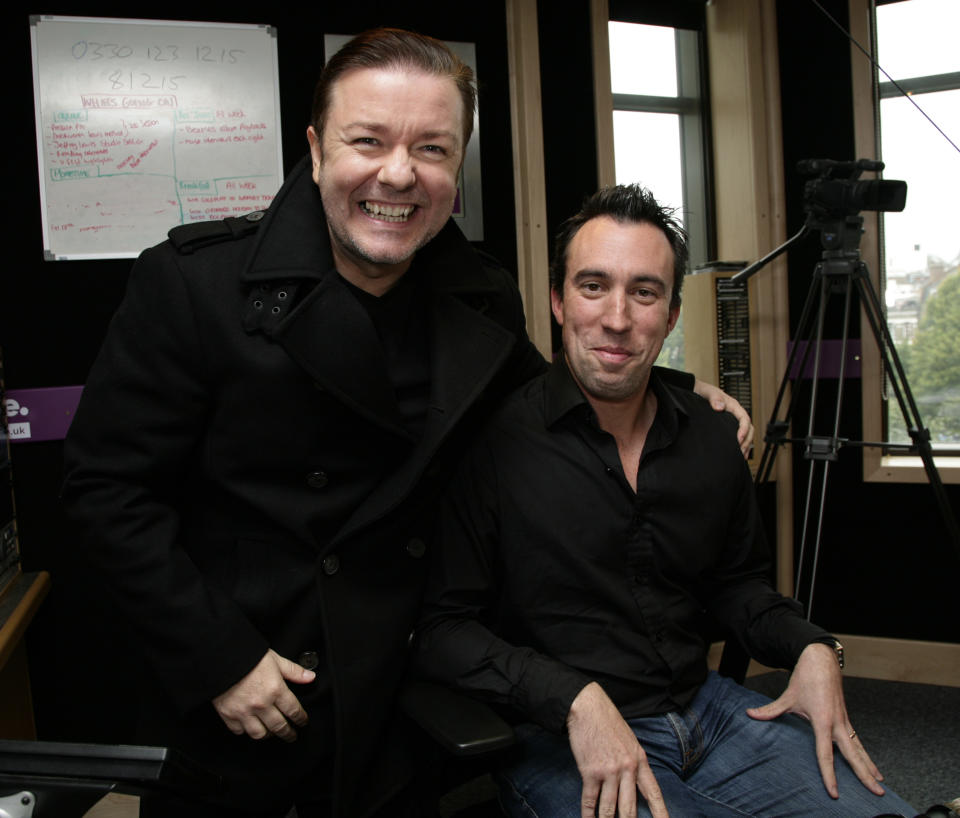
(396, 48)
(623, 203)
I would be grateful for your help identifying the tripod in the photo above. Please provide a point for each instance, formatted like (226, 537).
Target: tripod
(839, 272)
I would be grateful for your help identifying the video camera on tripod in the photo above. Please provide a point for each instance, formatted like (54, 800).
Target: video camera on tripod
(838, 191)
(833, 200)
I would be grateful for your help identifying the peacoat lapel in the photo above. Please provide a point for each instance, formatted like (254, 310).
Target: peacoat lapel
(468, 350)
(326, 331)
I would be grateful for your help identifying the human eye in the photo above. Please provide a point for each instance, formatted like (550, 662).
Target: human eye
(646, 295)
(591, 287)
(435, 151)
(361, 139)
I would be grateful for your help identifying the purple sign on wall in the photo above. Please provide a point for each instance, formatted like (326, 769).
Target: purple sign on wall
(40, 414)
(831, 354)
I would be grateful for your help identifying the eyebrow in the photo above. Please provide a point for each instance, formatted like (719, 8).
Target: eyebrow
(640, 278)
(378, 127)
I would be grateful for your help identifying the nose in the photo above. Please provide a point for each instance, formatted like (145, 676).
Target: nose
(397, 170)
(615, 316)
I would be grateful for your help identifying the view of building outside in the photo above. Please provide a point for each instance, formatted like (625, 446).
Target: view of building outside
(647, 144)
(916, 46)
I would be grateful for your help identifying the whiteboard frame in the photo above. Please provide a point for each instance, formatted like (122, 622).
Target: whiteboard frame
(35, 19)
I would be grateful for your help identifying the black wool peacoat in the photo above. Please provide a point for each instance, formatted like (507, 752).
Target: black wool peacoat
(240, 478)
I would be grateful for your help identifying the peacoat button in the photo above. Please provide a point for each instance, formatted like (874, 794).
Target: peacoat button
(331, 564)
(317, 479)
(416, 548)
(256, 215)
(309, 659)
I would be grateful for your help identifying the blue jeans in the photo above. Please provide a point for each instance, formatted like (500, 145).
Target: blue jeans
(710, 760)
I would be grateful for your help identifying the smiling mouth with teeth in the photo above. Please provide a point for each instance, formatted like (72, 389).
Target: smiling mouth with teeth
(387, 213)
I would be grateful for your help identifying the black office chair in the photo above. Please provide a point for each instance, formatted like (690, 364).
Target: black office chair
(467, 738)
(49, 779)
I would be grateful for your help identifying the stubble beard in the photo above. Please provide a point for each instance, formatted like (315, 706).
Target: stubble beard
(595, 382)
(353, 249)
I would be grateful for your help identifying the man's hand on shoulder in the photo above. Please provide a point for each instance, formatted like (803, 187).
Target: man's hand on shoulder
(611, 761)
(722, 402)
(815, 692)
(261, 704)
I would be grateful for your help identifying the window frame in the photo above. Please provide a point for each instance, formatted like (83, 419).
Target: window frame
(691, 106)
(880, 466)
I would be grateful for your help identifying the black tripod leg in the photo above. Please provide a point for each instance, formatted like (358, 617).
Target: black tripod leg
(827, 450)
(797, 362)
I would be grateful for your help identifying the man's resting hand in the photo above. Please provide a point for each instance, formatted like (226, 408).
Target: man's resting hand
(261, 704)
(611, 761)
(722, 402)
(815, 691)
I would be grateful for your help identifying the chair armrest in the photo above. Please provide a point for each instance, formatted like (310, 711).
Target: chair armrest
(461, 725)
(105, 767)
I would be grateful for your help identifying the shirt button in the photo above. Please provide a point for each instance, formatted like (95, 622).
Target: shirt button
(317, 479)
(309, 659)
(331, 565)
(416, 548)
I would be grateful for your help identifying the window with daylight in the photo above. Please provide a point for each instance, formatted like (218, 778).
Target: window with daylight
(916, 47)
(658, 131)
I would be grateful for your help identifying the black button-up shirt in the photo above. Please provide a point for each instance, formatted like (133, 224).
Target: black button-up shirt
(551, 572)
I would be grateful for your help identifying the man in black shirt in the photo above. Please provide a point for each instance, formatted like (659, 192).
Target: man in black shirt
(597, 519)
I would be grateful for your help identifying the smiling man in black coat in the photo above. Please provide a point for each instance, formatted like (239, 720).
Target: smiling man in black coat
(255, 460)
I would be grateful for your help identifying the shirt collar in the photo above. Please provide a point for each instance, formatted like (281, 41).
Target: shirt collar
(563, 397)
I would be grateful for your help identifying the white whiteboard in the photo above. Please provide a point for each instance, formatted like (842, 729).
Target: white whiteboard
(143, 125)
